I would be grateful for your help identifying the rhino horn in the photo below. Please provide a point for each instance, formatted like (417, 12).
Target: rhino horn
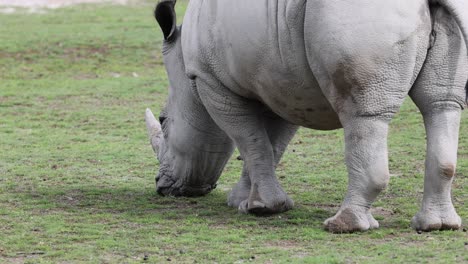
(154, 130)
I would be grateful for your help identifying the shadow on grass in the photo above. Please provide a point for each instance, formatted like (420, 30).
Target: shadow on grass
(144, 202)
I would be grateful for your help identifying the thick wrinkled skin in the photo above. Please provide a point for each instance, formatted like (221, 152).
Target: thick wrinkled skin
(248, 73)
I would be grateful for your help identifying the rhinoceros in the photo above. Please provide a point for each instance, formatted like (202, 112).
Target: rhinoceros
(247, 74)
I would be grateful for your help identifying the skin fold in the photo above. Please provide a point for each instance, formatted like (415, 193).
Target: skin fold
(247, 74)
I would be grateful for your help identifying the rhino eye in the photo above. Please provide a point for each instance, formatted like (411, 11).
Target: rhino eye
(162, 116)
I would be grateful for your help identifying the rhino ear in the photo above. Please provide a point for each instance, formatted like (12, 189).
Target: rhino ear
(166, 17)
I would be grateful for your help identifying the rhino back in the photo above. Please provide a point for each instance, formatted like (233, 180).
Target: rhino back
(256, 49)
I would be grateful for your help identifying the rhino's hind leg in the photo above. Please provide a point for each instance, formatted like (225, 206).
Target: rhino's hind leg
(439, 93)
(242, 120)
(280, 132)
(437, 211)
(367, 163)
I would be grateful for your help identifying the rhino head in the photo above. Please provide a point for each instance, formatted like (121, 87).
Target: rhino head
(192, 151)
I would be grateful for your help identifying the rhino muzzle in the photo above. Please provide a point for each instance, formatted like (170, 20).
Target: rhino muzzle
(166, 186)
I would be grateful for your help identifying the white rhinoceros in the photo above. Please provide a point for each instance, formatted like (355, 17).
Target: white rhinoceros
(247, 73)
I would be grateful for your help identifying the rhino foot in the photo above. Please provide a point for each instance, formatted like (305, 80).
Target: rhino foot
(272, 201)
(260, 209)
(237, 196)
(351, 219)
(445, 218)
(239, 193)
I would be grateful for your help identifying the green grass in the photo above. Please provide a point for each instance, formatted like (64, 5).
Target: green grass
(77, 172)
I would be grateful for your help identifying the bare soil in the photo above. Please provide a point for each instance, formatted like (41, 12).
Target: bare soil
(53, 3)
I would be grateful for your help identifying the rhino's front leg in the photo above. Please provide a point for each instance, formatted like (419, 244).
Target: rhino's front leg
(367, 163)
(437, 211)
(242, 120)
(241, 191)
(280, 132)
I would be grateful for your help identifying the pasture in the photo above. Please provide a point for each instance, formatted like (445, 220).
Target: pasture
(77, 171)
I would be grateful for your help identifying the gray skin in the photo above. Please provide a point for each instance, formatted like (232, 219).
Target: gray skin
(247, 73)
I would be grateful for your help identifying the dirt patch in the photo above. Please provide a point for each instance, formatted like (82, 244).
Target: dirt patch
(284, 244)
(54, 3)
(39, 6)
(326, 207)
(72, 198)
(72, 54)
(382, 212)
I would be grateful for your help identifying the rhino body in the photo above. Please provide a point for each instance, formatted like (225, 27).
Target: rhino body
(248, 73)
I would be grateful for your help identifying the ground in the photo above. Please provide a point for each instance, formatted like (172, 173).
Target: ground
(55, 3)
(77, 171)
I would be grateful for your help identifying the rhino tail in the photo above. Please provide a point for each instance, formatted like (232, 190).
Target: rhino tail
(459, 10)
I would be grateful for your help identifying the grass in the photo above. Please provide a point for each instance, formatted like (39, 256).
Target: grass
(77, 172)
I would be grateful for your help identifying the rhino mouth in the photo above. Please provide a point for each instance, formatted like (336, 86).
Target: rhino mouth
(166, 185)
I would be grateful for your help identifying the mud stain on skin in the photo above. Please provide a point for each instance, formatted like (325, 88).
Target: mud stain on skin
(345, 222)
(343, 84)
(343, 87)
(347, 78)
